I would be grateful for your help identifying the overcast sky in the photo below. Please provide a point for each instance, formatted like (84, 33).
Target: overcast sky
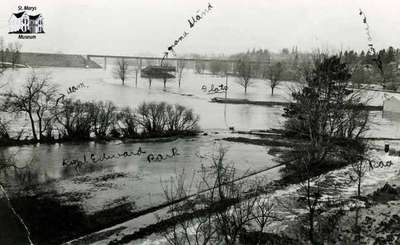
(132, 27)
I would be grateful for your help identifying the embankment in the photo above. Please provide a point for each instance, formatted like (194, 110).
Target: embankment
(56, 60)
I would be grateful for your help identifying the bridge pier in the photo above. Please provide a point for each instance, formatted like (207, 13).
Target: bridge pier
(138, 69)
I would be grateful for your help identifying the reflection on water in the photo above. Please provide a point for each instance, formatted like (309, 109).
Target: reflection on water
(47, 160)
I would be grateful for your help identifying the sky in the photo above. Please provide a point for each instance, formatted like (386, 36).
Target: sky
(148, 27)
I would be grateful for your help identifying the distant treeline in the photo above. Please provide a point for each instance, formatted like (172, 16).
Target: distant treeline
(291, 60)
(365, 68)
(363, 65)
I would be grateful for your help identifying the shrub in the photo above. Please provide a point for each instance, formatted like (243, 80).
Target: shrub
(181, 119)
(4, 136)
(75, 119)
(164, 119)
(128, 122)
(152, 117)
(103, 117)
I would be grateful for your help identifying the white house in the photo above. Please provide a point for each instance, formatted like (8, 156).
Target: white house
(25, 23)
(36, 23)
(19, 22)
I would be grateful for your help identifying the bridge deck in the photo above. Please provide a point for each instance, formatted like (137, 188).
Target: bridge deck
(173, 59)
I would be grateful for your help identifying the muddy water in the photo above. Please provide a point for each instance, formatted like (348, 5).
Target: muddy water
(133, 180)
(100, 85)
(104, 193)
(128, 184)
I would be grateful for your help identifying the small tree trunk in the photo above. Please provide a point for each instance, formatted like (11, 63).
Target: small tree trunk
(311, 212)
(358, 230)
(149, 82)
(180, 78)
(219, 177)
(40, 126)
(272, 90)
(33, 126)
(165, 82)
(311, 230)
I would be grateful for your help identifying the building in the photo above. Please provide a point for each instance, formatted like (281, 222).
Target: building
(24, 23)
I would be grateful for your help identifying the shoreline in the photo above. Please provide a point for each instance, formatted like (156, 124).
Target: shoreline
(275, 103)
(13, 142)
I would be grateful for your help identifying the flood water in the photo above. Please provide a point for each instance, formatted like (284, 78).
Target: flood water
(140, 181)
(133, 179)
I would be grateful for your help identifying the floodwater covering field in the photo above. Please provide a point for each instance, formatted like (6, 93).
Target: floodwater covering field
(100, 85)
(134, 179)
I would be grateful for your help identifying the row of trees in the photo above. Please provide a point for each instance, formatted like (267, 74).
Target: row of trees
(288, 66)
(49, 113)
(272, 74)
(381, 68)
(245, 71)
(367, 68)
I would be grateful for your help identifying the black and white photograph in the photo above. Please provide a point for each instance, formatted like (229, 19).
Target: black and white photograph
(200, 122)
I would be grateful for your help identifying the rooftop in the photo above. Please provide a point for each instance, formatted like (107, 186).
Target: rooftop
(18, 15)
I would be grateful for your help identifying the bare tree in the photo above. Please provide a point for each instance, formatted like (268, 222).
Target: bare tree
(75, 119)
(360, 164)
(103, 117)
(274, 74)
(46, 109)
(4, 128)
(199, 230)
(310, 191)
(263, 215)
(128, 122)
(160, 118)
(36, 99)
(181, 65)
(121, 70)
(220, 211)
(244, 73)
